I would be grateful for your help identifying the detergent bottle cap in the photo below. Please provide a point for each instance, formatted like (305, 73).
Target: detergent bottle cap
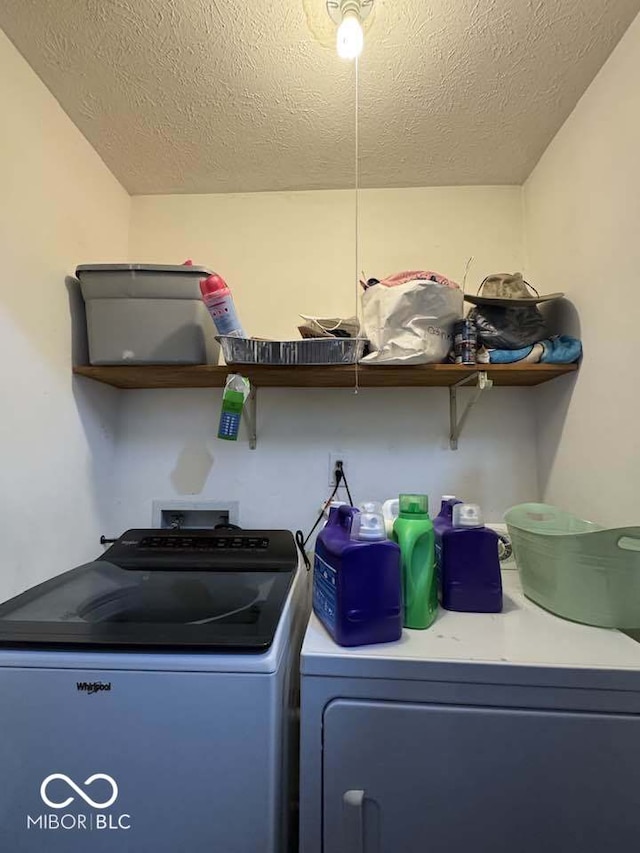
(467, 515)
(390, 511)
(371, 506)
(368, 526)
(212, 284)
(414, 505)
(391, 507)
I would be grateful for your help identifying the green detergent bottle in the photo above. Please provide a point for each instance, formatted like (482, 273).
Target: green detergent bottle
(413, 531)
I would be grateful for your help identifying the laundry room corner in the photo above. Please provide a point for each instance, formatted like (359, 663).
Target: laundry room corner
(320, 510)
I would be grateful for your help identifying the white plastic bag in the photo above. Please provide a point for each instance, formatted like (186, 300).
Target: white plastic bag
(410, 323)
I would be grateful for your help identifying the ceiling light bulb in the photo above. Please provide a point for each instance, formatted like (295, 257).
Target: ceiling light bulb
(350, 38)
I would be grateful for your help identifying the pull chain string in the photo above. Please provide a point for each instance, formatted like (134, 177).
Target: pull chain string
(357, 212)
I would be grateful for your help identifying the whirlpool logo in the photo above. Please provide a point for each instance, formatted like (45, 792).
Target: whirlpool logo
(99, 792)
(92, 687)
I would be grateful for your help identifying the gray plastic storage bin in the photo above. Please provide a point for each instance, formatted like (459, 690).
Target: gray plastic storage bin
(147, 314)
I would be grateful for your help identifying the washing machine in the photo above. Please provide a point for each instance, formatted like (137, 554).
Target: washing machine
(148, 699)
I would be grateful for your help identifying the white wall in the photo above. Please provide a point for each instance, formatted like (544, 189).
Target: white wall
(284, 253)
(59, 206)
(287, 253)
(582, 219)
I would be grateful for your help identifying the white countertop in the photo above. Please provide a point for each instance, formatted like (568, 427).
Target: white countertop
(522, 635)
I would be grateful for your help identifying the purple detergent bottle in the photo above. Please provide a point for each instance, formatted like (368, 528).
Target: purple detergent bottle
(470, 567)
(443, 521)
(357, 582)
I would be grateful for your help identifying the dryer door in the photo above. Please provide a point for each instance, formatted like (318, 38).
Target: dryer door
(438, 779)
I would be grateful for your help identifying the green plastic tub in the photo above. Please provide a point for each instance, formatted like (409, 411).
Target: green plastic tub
(577, 569)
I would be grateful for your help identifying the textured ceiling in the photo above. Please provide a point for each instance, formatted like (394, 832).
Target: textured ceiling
(242, 95)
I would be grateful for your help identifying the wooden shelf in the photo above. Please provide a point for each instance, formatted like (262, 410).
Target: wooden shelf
(452, 376)
(329, 376)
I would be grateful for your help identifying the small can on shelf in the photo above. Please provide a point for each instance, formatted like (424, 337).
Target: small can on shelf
(465, 341)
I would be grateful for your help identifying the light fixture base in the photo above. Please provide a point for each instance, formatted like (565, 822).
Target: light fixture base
(337, 9)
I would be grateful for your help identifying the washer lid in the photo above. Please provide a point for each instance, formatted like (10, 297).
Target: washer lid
(204, 596)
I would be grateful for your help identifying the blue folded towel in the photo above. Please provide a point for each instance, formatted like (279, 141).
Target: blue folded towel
(562, 349)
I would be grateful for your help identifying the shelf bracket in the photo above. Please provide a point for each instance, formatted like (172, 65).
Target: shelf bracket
(251, 417)
(483, 383)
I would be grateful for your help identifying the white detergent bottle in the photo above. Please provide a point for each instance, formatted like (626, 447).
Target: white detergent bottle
(390, 511)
